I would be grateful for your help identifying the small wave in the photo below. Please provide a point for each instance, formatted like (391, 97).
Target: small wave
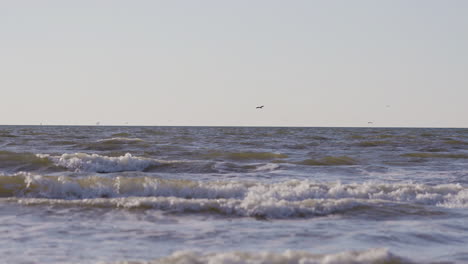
(156, 132)
(116, 162)
(435, 155)
(120, 140)
(252, 199)
(329, 161)
(7, 135)
(376, 143)
(64, 187)
(357, 137)
(121, 134)
(23, 161)
(248, 155)
(431, 149)
(267, 167)
(319, 138)
(385, 136)
(82, 162)
(227, 207)
(378, 255)
(296, 146)
(456, 142)
(226, 167)
(115, 143)
(63, 142)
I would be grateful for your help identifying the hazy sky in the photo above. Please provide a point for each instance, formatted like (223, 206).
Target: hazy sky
(311, 63)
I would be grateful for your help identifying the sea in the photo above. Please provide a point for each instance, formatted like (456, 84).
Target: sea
(114, 195)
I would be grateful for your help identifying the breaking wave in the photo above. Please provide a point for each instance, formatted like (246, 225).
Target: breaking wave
(288, 199)
(96, 163)
(244, 156)
(379, 255)
(118, 162)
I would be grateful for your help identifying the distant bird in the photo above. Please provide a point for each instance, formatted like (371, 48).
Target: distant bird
(259, 107)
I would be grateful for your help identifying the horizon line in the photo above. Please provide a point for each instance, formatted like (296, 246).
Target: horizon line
(253, 126)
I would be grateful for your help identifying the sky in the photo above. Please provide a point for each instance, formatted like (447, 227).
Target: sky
(313, 63)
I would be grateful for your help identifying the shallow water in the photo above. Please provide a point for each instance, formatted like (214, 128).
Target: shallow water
(233, 195)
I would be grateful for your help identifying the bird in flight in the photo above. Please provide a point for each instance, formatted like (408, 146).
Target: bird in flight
(259, 107)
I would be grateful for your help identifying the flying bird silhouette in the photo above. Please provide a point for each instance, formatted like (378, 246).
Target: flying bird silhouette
(259, 107)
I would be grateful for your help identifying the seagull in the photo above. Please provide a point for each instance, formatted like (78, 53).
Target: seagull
(259, 107)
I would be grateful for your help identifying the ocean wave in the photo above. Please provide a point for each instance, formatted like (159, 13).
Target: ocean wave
(155, 131)
(63, 142)
(114, 143)
(82, 162)
(66, 187)
(329, 161)
(455, 142)
(245, 156)
(267, 167)
(436, 155)
(375, 143)
(228, 167)
(120, 140)
(7, 135)
(378, 255)
(252, 199)
(112, 162)
(121, 134)
(23, 161)
(269, 209)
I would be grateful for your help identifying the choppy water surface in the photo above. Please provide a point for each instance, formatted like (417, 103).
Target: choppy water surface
(233, 195)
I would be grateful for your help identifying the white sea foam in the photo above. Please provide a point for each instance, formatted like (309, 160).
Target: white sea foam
(256, 199)
(83, 162)
(381, 256)
(231, 207)
(64, 187)
(267, 167)
(97, 163)
(121, 139)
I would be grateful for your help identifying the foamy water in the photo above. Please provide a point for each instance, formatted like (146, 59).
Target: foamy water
(233, 195)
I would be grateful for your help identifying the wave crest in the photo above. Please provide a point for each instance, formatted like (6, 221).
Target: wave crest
(114, 143)
(23, 161)
(96, 163)
(378, 255)
(254, 199)
(248, 155)
(435, 155)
